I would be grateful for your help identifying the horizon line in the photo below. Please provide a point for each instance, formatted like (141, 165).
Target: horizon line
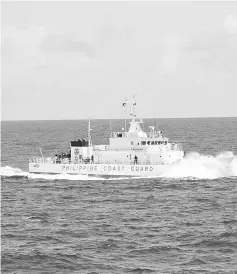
(80, 119)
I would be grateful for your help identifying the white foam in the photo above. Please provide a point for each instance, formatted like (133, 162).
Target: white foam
(11, 171)
(194, 165)
(58, 177)
(71, 177)
(204, 166)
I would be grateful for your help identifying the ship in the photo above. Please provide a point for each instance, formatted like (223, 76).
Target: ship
(130, 153)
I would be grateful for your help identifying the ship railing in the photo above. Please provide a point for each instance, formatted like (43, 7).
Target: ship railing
(138, 148)
(59, 161)
(145, 162)
(50, 161)
(155, 134)
(115, 148)
(68, 161)
(127, 148)
(177, 147)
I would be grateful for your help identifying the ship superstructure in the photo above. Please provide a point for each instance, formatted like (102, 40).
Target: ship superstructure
(129, 153)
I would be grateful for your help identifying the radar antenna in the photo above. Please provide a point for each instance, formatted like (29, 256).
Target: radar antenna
(131, 105)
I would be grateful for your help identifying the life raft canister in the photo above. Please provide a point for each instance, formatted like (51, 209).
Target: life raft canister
(76, 151)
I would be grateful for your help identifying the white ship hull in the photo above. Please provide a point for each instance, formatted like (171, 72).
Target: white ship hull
(100, 169)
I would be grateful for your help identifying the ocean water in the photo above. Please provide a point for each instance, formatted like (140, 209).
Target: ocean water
(182, 222)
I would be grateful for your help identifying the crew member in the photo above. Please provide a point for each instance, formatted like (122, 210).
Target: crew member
(135, 159)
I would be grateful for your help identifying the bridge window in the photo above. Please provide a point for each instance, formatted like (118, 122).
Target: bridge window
(156, 142)
(148, 142)
(143, 143)
(165, 142)
(152, 143)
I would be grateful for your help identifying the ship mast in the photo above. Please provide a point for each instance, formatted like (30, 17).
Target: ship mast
(110, 125)
(125, 124)
(132, 105)
(89, 133)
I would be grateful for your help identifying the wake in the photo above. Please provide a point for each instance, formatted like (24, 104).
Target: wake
(205, 166)
(16, 172)
(194, 165)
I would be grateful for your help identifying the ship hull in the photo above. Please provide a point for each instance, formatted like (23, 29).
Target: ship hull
(102, 170)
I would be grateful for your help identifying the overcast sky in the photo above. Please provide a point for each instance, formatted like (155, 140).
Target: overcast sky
(74, 60)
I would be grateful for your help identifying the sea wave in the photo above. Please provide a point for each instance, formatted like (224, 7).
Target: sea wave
(9, 171)
(194, 165)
